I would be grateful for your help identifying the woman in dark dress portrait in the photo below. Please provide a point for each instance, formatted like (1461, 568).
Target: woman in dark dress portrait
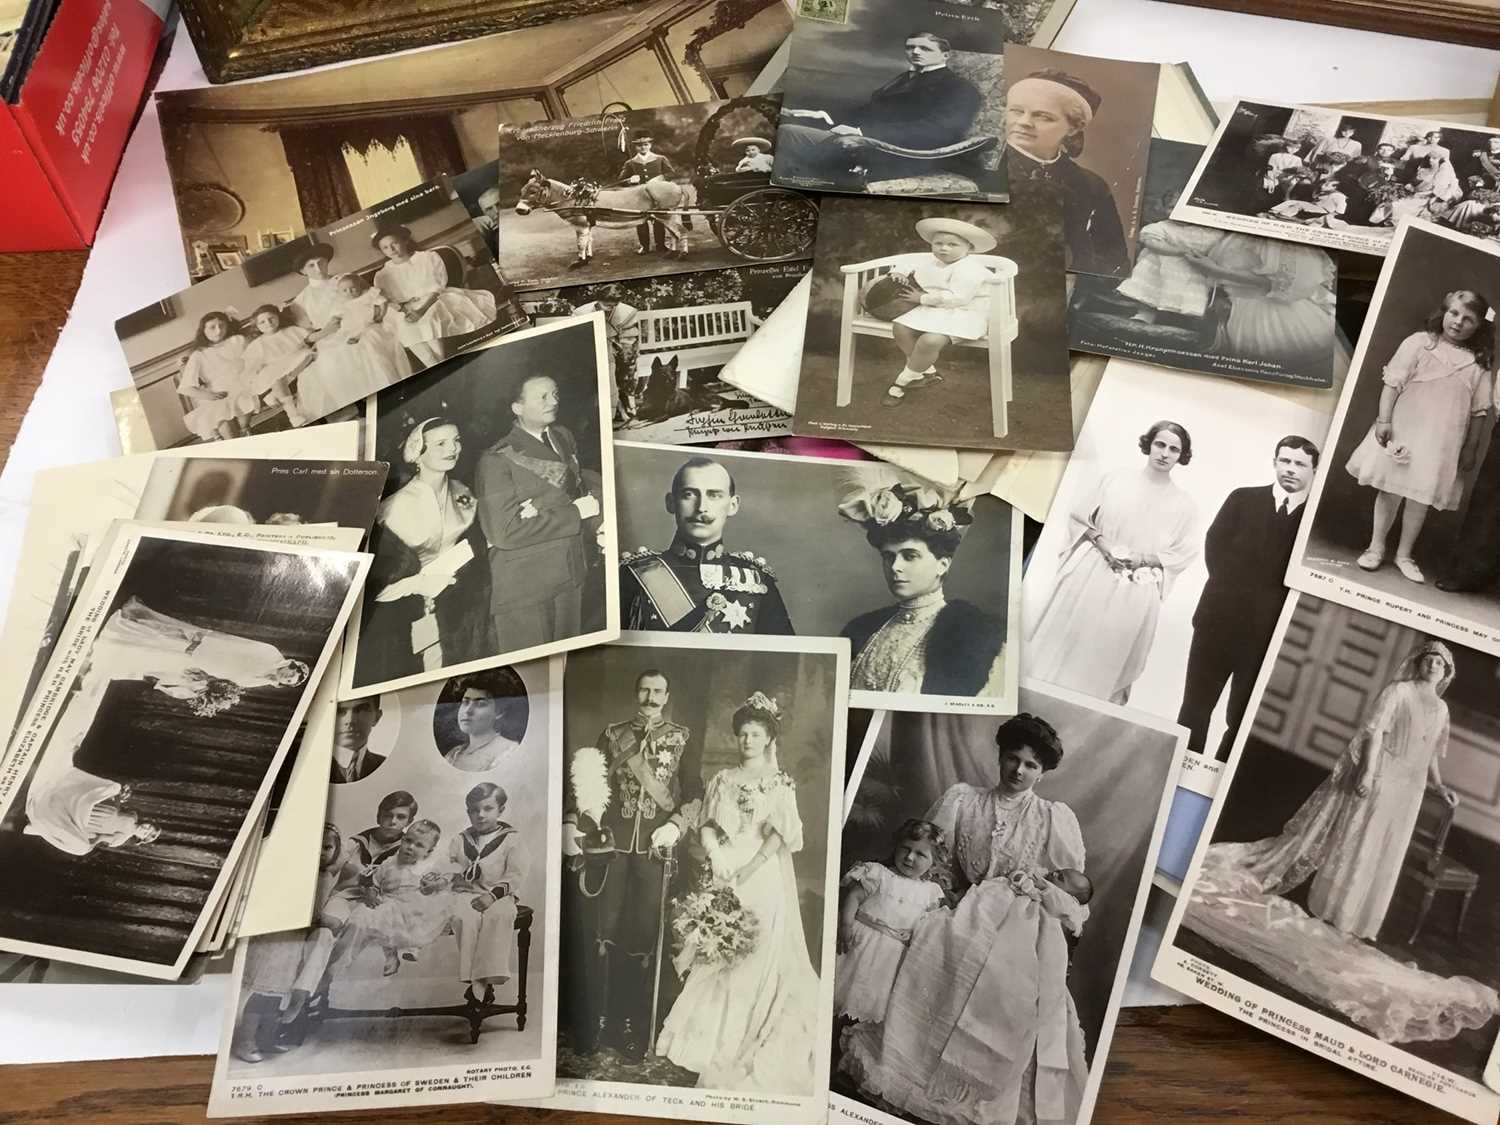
(427, 603)
(1046, 117)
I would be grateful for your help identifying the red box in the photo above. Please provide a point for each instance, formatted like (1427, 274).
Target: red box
(61, 141)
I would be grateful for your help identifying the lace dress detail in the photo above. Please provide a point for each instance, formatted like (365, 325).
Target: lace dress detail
(895, 658)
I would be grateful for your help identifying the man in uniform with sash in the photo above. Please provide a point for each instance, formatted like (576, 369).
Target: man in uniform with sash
(697, 584)
(653, 769)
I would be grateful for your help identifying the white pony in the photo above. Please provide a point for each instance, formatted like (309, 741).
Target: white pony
(585, 205)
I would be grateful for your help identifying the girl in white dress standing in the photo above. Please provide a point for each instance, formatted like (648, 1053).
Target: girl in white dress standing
(213, 379)
(880, 905)
(953, 302)
(274, 358)
(416, 282)
(1438, 387)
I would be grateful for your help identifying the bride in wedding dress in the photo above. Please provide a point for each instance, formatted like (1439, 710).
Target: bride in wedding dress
(1350, 836)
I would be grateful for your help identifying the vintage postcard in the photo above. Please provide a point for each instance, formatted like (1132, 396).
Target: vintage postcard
(1342, 894)
(670, 339)
(994, 875)
(1201, 299)
(923, 584)
(1341, 179)
(302, 150)
(704, 788)
(937, 323)
(430, 973)
(318, 324)
(1141, 991)
(1078, 130)
(1160, 571)
(646, 192)
(496, 539)
(250, 490)
(897, 98)
(1405, 520)
(126, 812)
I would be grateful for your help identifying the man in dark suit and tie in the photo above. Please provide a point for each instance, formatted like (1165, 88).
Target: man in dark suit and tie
(353, 760)
(926, 107)
(540, 511)
(1246, 551)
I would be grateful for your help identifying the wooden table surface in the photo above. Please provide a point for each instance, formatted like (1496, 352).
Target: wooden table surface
(1166, 1064)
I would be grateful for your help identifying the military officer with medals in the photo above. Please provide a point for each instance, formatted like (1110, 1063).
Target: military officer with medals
(629, 796)
(697, 584)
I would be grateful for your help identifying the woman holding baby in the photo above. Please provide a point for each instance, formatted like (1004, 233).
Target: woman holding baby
(980, 1028)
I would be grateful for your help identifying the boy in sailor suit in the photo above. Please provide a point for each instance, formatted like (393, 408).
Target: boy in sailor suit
(489, 862)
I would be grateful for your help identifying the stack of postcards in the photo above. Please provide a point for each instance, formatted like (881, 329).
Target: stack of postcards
(559, 623)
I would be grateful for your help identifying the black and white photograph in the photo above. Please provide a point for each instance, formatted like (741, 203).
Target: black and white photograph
(669, 339)
(256, 490)
(495, 541)
(924, 585)
(429, 973)
(1201, 299)
(700, 864)
(993, 877)
(646, 192)
(1343, 895)
(939, 324)
(1406, 516)
(145, 759)
(1078, 129)
(318, 324)
(897, 99)
(301, 151)
(1160, 572)
(1346, 181)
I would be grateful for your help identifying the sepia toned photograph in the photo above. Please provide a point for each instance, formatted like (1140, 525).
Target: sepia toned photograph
(255, 490)
(319, 324)
(1406, 516)
(994, 874)
(646, 192)
(495, 540)
(1344, 181)
(301, 151)
(897, 99)
(1078, 130)
(922, 583)
(429, 973)
(1200, 299)
(1343, 894)
(700, 844)
(1160, 572)
(937, 324)
(669, 340)
(123, 812)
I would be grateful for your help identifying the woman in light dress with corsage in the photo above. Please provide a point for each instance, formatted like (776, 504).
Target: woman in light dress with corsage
(980, 1028)
(753, 1024)
(1133, 533)
(430, 308)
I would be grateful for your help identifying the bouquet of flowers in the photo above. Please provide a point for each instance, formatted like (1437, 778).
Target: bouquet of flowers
(211, 694)
(710, 926)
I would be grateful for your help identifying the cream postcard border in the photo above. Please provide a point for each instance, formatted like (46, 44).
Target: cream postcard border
(1261, 1008)
(609, 523)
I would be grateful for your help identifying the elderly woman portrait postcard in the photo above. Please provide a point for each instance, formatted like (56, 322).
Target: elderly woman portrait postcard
(429, 973)
(1342, 895)
(290, 335)
(1405, 519)
(495, 541)
(897, 99)
(1345, 181)
(1159, 575)
(646, 192)
(1201, 299)
(993, 877)
(141, 767)
(1078, 129)
(922, 581)
(937, 324)
(700, 863)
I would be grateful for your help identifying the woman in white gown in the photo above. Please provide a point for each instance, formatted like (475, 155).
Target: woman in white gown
(981, 1028)
(1281, 299)
(752, 1025)
(1132, 534)
(431, 309)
